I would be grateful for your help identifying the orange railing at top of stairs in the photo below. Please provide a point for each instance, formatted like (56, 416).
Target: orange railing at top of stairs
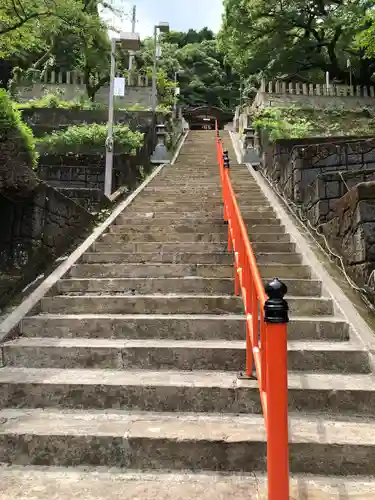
(266, 335)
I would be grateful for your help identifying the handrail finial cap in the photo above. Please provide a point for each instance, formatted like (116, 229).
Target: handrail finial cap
(276, 308)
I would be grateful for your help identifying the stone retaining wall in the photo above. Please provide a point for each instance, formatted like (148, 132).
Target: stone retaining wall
(351, 231)
(321, 198)
(33, 232)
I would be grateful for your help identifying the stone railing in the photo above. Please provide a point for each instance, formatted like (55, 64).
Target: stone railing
(134, 79)
(280, 93)
(316, 89)
(34, 232)
(71, 86)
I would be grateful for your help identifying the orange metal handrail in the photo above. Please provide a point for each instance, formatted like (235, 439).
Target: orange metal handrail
(266, 335)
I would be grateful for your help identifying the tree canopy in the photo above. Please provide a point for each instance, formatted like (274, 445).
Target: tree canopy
(299, 39)
(203, 76)
(63, 34)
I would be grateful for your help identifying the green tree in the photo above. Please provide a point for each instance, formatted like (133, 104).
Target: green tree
(204, 77)
(274, 38)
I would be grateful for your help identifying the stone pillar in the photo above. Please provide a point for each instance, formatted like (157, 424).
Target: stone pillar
(250, 155)
(161, 153)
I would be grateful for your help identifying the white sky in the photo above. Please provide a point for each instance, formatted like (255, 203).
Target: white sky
(181, 14)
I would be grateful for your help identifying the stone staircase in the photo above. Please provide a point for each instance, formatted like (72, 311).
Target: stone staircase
(129, 367)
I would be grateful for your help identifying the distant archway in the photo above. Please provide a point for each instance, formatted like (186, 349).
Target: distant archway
(204, 117)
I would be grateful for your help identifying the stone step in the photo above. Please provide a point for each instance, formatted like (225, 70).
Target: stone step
(196, 199)
(189, 327)
(181, 247)
(192, 223)
(210, 206)
(192, 285)
(137, 236)
(198, 189)
(98, 483)
(130, 216)
(186, 258)
(170, 304)
(154, 270)
(155, 228)
(136, 441)
(197, 391)
(141, 354)
(144, 304)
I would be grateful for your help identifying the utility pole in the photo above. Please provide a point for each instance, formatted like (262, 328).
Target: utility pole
(134, 20)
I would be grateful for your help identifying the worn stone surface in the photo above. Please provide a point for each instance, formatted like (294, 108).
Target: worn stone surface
(173, 326)
(42, 483)
(174, 354)
(132, 359)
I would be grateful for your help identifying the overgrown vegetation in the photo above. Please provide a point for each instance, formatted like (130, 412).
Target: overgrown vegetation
(18, 154)
(298, 122)
(90, 139)
(12, 127)
(53, 101)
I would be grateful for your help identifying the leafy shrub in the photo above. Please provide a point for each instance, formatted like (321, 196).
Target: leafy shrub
(280, 126)
(53, 101)
(90, 138)
(297, 122)
(18, 155)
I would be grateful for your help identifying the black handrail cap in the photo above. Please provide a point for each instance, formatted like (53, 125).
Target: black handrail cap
(276, 289)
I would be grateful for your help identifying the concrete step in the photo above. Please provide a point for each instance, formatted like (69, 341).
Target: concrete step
(216, 206)
(192, 247)
(170, 236)
(141, 354)
(187, 258)
(154, 270)
(184, 442)
(201, 190)
(193, 223)
(189, 327)
(98, 483)
(191, 285)
(132, 216)
(170, 304)
(145, 304)
(158, 230)
(197, 391)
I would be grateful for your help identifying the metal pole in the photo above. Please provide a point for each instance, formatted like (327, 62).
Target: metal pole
(134, 20)
(175, 95)
(109, 140)
(154, 90)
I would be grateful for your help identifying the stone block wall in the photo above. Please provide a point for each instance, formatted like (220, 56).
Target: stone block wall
(308, 161)
(333, 184)
(34, 232)
(351, 231)
(90, 199)
(320, 202)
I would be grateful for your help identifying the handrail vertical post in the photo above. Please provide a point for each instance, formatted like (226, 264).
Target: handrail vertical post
(276, 319)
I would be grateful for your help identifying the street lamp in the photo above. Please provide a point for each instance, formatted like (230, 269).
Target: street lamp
(161, 28)
(128, 41)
